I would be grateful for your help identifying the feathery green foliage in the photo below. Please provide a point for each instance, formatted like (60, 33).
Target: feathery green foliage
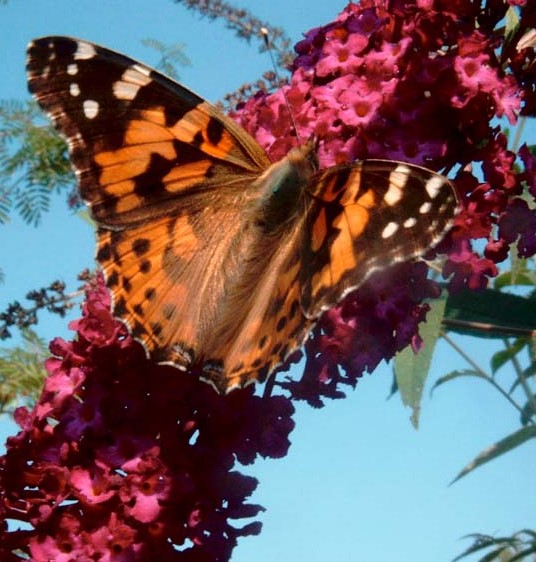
(170, 56)
(33, 162)
(22, 372)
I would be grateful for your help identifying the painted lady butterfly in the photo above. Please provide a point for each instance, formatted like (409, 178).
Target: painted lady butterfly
(215, 256)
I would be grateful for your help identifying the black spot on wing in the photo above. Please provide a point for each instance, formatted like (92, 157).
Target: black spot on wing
(214, 131)
(150, 293)
(112, 279)
(169, 311)
(104, 253)
(120, 307)
(141, 246)
(145, 266)
(149, 183)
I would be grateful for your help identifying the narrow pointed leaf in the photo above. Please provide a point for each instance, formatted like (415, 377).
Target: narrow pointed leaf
(503, 446)
(505, 355)
(522, 554)
(455, 375)
(481, 543)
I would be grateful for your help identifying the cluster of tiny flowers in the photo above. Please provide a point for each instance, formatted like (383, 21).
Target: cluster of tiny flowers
(426, 82)
(125, 460)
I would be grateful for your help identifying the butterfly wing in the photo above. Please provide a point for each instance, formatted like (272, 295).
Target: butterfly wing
(366, 217)
(165, 175)
(139, 142)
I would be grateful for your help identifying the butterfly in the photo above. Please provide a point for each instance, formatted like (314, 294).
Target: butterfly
(215, 256)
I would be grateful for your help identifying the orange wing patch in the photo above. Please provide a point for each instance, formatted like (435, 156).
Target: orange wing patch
(154, 290)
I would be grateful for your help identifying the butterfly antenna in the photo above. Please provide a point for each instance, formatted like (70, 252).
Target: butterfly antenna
(266, 36)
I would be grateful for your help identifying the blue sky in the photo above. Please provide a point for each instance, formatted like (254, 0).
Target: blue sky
(359, 482)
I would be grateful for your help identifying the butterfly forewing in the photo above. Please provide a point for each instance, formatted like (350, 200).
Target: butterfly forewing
(369, 216)
(138, 141)
(215, 257)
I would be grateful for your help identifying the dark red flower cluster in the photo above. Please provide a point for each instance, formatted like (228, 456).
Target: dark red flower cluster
(123, 459)
(371, 325)
(428, 82)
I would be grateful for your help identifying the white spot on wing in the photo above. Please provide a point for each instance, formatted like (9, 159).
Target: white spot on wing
(410, 223)
(136, 75)
(389, 230)
(132, 80)
(74, 89)
(72, 69)
(399, 176)
(396, 180)
(433, 186)
(84, 51)
(91, 108)
(446, 205)
(124, 91)
(424, 209)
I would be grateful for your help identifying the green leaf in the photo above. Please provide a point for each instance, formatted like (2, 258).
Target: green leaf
(497, 449)
(411, 369)
(394, 387)
(512, 22)
(490, 313)
(170, 56)
(504, 355)
(456, 375)
(530, 371)
(33, 162)
(519, 275)
(528, 411)
(523, 554)
(509, 549)
(481, 542)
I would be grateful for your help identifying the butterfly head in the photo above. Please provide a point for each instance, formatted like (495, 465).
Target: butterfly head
(305, 157)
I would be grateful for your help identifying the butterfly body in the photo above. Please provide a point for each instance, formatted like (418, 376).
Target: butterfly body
(215, 256)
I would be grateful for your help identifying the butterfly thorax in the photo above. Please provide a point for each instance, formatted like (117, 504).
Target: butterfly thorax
(281, 188)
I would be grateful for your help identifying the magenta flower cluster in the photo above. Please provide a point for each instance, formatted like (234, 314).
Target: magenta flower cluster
(124, 460)
(429, 82)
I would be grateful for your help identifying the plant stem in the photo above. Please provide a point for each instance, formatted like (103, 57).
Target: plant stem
(522, 380)
(480, 371)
